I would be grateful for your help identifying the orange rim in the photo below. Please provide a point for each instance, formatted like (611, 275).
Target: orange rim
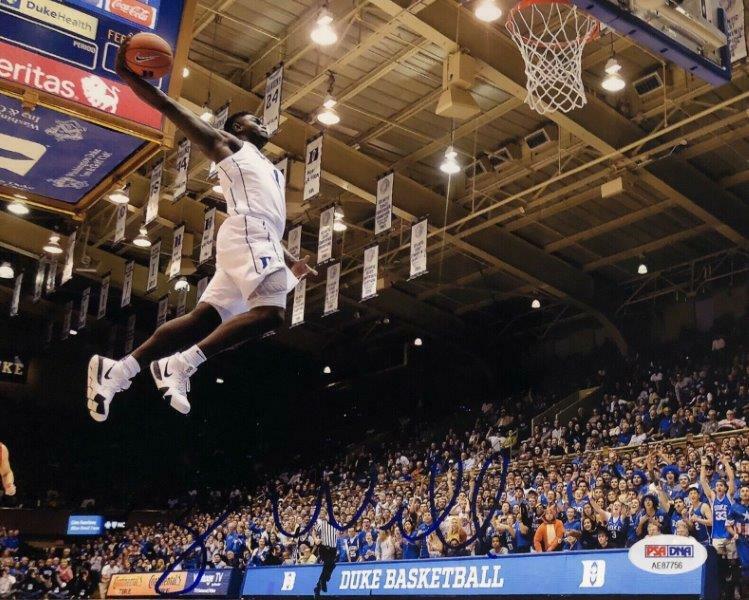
(510, 24)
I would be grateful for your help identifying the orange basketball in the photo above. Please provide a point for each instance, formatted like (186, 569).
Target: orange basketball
(149, 56)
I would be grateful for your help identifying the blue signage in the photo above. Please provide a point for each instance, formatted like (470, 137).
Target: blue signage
(554, 573)
(54, 155)
(85, 525)
(212, 583)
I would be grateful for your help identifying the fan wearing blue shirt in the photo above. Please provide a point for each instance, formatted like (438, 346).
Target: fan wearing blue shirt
(738, 527)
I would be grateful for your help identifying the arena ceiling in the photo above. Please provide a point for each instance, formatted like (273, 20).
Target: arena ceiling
(674, 163)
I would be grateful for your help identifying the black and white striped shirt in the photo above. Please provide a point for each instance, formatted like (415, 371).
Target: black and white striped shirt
(327, 533)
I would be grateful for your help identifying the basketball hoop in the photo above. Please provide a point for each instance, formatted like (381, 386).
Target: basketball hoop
(551, 36)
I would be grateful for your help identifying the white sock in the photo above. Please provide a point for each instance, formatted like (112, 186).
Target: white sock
(193, 357)
(130, 367)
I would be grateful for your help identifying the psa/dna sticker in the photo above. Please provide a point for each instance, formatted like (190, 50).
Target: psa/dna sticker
(668, 554)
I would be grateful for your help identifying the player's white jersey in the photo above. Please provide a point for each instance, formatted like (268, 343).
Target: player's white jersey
(253, 186)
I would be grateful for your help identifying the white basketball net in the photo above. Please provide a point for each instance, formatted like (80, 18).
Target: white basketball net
(551, 36)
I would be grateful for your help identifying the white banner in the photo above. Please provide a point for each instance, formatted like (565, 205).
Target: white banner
(51, 278)
(39, 281)
(300, 297)
(312, 168)
(734, 11)
(153, 266)
(209, 233)
(181, 303)
(120, 223)
(294, 245)
(331, 289)
(163, 310)
(130, 334)
(16, 301)
(272, 106)
(384, 209)
(127, 284)
(325, 236)
(176, 263)
(369, 273)
(154, 192)
(103, 297)
(67, 269)
(83, 311)
(202, 284)
(418, 248)
(218, 122)
(183, 164)
(67, 319)
(283, 166)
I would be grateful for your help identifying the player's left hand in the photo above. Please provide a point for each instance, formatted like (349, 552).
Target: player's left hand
(301, 268)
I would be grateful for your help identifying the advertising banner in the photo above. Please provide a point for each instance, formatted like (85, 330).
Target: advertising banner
(219, 583)
(85, 525)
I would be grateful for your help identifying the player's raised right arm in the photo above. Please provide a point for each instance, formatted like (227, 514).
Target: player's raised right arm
(215, 144)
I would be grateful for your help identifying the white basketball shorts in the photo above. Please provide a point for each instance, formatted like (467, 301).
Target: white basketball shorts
(250, 269)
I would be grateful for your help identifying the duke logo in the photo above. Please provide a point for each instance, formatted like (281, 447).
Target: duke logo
(289, 577)
(66, 131)
(99, 94)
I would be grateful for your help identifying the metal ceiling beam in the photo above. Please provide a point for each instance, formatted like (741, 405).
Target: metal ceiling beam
(735, 179)
(209, 15)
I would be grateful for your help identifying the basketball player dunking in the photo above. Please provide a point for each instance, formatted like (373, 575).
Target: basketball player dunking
(246, 297)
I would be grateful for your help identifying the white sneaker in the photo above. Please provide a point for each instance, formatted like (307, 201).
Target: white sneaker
(104, 381)
(172, 377)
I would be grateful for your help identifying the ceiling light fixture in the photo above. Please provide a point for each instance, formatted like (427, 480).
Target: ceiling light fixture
(185, 72)
(182, 285)
(53, 245)
(120, 195)
(323, 33)
(141, 240)
(418, 342)
(18, 208)
(6, 271)
(487, 11)
(219, 380)
(73, 332)
(450, 164)
(642, 269)
(207, 115)
(613, 82)
(339, 226)
(327, 370)
(327, 115)
(536, 303)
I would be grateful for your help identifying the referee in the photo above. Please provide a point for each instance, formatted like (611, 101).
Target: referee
(328, 551)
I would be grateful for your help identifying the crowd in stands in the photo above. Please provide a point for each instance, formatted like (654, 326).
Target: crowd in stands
(604, 479)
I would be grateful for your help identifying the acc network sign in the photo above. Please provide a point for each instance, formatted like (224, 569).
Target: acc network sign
(51, 154)
(555, 573)
(69, 51)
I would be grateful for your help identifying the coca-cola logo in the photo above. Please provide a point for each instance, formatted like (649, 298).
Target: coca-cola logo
(133, 11)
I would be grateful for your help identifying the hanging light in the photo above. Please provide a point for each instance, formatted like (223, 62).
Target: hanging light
(450, 164)
(141, 240)
(18, 208)
(338, 214)
(613, 82)
(488, 11)
(120, 195)
(642, 269)
(53, 245)
(73, 332)
(323, 34)
(207, 115)
(217, 189)
(327, 370)
(339, 226)
(536, 303)
(219, 380)
(182, 285)
(185, 72)
(327, 115)
(6, 271)
(418, 342)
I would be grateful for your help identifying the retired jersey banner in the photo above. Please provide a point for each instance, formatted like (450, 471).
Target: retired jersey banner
(300, 297)
(162, 311)
(154, 192)
(120, 223)
(153, 266)
(312, 168)
(202, 284)
(209, 233)
(16, 301)
(67, 269)
(130, 334)
(39, 281)
(272, 106)
(418, 249)
(325, 235)
(67, 319)
(83, 310)
(182, 165)
(51, 278)
(384, 207)
(181, 303)
(103, 297)
(218, 122)
(176, 264)
(295, 241)
(127, 284)
(331, 289)
(369, 273)
(283, 166)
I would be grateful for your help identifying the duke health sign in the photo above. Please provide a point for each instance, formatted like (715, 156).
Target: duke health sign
(556, 573)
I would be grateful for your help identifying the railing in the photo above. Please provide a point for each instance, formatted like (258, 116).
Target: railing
(564, 406)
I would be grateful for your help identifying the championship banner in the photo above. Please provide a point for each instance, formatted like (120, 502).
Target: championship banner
(176, 264)
(294, 242)
(736, 28)
(218, 122)
(300, 297)
(153, 266)
(312, 168)
(181, 303)
(325, 236)
(103, 297)
(51, 278)
(369, 273)
(283, 166)
(182, 165)
(16, 301)
(384, 207)
(162, 311)
(67, 319)
(272, 106)
(83, 310)
(154, 192)
(130, 334)
(127, 285)
(219, 583)
(331, 289)
(39, 281)
(207, 241)
(120, 223)
(418, 249)
(67, 269)
(202, 284)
